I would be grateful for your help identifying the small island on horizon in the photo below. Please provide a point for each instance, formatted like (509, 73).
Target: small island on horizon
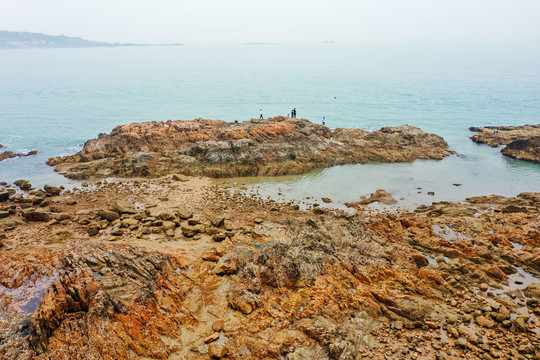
(22, 40)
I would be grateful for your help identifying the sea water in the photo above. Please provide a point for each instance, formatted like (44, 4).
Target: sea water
(53, 100)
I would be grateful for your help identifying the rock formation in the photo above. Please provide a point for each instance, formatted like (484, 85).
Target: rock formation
(217, 149)
(522, 142)
(207, 272)
(9, 154)
(526, 149)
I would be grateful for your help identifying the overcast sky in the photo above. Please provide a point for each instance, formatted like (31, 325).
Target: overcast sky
(236, 21)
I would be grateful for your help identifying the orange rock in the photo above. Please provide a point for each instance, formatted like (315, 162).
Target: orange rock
(218, 325)
(212, 338)
(495, 272)
(210, 255)
(218, 350)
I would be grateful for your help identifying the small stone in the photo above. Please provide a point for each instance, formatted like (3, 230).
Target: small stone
(420, 260)
(166, 216)
(219, 237)
(218, 325)
(218, 221)
(124, 207)
(108, 215)
(398, 325)
(129, 223)
(520, 325)
(184, 214)
(258, 220)
(52, 190)
(211, 255)
(52, 222)
(484, 286)
(226, 266)
(212, 338)
(93, 229)
(168, 225)
(526, 349)
(318, 211)
(218, 350)
(431, 324)
(117, 231)
(4, 196)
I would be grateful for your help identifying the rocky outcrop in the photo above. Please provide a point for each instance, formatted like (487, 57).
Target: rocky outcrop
(9, 154)
(218, 149)
(278, 284)
(522, 142)
(503, 135)
(526, 149)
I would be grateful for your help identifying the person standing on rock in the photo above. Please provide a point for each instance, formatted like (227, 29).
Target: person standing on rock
(323, 121)
(260, 111)
(293, 113)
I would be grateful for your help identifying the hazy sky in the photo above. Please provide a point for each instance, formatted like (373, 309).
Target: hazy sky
(212, 21)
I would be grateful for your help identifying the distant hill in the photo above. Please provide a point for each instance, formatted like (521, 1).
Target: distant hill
(14, 39)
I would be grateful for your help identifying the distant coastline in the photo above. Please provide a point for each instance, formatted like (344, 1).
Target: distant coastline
(28, 40)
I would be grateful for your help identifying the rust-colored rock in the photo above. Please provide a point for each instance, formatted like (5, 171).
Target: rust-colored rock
(9, 154)
(218, 149)
(522, 142)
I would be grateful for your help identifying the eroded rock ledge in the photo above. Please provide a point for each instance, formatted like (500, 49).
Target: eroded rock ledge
(210, 274)
(522, 142)
(218, 149)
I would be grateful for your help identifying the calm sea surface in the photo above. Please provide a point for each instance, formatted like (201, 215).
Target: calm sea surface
(53, 100)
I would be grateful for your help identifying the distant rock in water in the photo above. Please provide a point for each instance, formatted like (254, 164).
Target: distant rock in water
(522, 142)
(9, 154)
(215, 148)
(528, 149)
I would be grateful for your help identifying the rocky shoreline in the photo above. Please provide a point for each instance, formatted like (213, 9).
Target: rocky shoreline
(217, 149)
(522, 142)
(177, 267)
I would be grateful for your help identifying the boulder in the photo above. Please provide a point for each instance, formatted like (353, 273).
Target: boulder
(218, 221)
(226, 265)
(219, 237)
(23, 184)
(124, 207)
(108, 215)
(59, 216)
(52, 190)
(217, 350)
(93, 229)
(184, 214)
(4, 196)
(420, 260)
(129, 223)
(485, 322)
(218, 325)
(211, 255)
(532, 291)
(37, 215)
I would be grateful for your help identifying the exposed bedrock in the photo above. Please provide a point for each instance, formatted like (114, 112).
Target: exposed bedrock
(217, 149)
(522, 142)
